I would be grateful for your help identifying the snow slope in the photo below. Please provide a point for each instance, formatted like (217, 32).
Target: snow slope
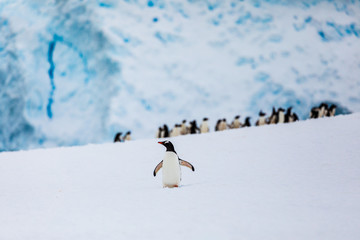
(76, 72)
(289, 181)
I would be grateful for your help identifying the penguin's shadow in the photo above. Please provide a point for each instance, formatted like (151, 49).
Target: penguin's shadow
(192, 184)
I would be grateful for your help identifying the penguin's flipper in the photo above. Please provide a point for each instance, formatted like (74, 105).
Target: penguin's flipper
(157, 168)
(186, 164)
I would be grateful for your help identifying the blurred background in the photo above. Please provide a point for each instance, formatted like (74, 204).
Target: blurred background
(78, 72)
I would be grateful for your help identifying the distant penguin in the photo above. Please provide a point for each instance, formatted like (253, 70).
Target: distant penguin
(323, 109)
(175, 131)
(194, 128)
(184, 128)
(236, 122)
(171, 174)
(331, 111)
(223, 125)
(159, 132)
(118, 137)
(204, 127)
(314, 113)
(288, 115)
(165, 131)
(273, 117)
(247, 122)
(127, 136)
(262, 119)
(294, 117)
(281, 115)
(217, 125)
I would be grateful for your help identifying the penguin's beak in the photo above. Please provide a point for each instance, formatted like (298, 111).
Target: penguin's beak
(162, 143)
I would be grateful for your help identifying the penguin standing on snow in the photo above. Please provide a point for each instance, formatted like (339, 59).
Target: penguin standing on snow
(247, 122)
(273, 118)
(314, 113)
(217, 125)
(331, 111)
(288, 115)
(171, 175)
(236, 123)
(184, 128)
(262, 119)
(323, 110)
(165, 131)
(281, 115)
(159, 133)
(204, 127)
(223, 125)
(127, 136)
(118, 137)
(193, 127)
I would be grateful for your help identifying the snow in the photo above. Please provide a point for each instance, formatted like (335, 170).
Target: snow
(78, 72)
(286, 181)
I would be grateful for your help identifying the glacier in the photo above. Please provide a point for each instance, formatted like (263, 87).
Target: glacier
(73, 73)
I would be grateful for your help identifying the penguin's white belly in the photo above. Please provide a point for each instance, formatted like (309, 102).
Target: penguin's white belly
(171, 172)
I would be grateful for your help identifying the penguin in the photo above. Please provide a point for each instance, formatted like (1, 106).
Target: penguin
(184, 128)
(314, 113)
(127, 136)
(222, 125)
(331, 111)
(323, 109)
(236, 122)
(159, 133)
(165, 131)
(247, 122)
(281, 115)
(171, 163)
(118, 137)
(176, 130)
(194, 128)
(288, 115)
(273, 118)
(262, 119)
(294, 117)
(204, 127)
(217, 125)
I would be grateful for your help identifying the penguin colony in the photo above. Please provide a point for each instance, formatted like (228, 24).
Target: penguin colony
(276, 117)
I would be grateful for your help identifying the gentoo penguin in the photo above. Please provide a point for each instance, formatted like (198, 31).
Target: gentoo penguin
(217, 125)
(204, 127)
(294, 117)
(273, 118)
(288, 115)
(236, 123)
(314, 112)
(323, 109)
(171, 175)
(262, 119)
(159, 133)
(184, 128)
(281, 115)
(247, 122)
(223, 125)
(331, 111)
(175, 131)
(118, 137)
(127, 136)
(193, 127)
(165, 131)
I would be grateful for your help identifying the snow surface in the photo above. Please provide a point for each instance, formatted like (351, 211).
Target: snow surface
(77, 72)
(288, 181)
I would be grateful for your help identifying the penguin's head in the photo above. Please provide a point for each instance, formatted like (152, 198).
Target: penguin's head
(237, 116)
(169, 146)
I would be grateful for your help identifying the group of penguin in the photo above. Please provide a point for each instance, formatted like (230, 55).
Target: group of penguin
(119, 138)
(323, 111)
(277, 116)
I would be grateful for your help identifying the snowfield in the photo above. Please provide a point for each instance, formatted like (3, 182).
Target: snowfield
(288, 181)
